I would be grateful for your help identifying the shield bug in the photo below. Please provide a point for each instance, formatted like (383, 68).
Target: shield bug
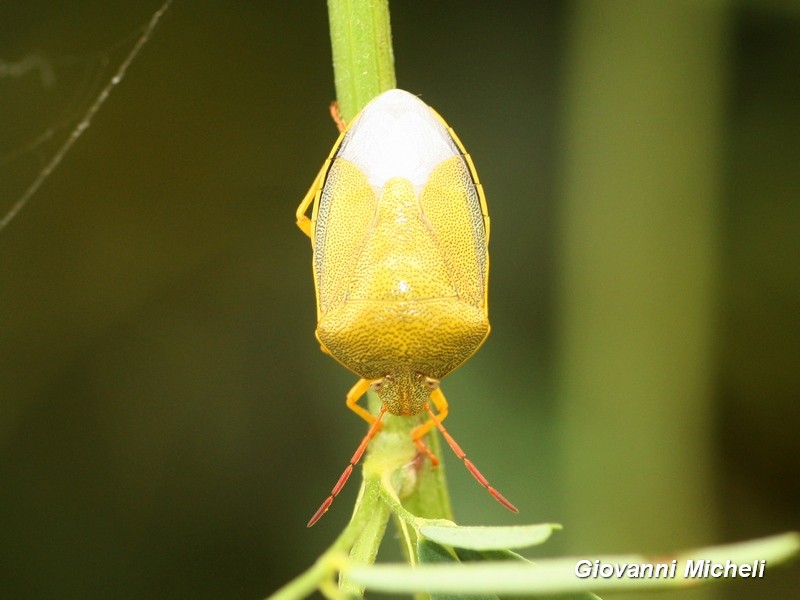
(399, 231)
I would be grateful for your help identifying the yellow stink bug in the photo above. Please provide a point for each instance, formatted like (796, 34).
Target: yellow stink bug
(399, 231)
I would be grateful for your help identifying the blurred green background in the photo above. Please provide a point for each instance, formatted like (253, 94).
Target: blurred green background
(167, 422)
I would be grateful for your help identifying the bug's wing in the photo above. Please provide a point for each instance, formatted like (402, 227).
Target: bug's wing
(345, 215)
(451, 203)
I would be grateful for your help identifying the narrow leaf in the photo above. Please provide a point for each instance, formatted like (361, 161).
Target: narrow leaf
(490, 538)
(433, 553)
(558, 576)
(467, 555)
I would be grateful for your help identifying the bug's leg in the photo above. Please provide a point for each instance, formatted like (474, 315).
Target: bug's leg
(376, 425)
(354, 395)
(303, 222)
(467, 462)
(337, 116)
(421, 431)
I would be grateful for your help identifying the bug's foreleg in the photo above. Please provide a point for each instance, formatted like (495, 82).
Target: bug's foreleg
(354, 395)
(440, 402)
(419, 432)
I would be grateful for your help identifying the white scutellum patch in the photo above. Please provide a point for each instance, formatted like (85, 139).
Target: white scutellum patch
(397, 135)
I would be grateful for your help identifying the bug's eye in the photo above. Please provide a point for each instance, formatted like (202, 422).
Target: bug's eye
(430, 382)
(378, 383)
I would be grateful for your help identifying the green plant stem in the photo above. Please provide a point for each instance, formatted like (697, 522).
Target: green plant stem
(391, 472)
(375, 515)
(363, 66)
(368, 508)
(363, 61)
(420, 487)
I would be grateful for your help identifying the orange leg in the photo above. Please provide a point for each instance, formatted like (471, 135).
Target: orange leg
(421, 431)
(337, 116)
(376, 426)
(354, 395)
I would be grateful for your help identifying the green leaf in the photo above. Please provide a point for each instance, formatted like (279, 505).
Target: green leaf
(467, 555)
(490, 538)
(573, 596)
(558, 576)
(433, 553)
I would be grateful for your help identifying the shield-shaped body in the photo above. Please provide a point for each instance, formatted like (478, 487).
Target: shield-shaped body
(400, 232)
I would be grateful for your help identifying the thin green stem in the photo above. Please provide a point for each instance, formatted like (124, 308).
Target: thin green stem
(375, 515)
(420, 487)
(363, 61)
(367, 516)
(391, 471)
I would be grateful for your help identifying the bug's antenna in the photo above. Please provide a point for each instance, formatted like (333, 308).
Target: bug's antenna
(468, 463)
(374, 428)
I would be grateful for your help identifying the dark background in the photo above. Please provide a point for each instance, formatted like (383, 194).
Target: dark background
(167, 422)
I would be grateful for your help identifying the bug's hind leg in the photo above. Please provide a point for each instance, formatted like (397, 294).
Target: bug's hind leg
(337, 116)
(303, 222)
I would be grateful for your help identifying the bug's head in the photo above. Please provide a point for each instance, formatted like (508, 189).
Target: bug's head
(404, 393)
